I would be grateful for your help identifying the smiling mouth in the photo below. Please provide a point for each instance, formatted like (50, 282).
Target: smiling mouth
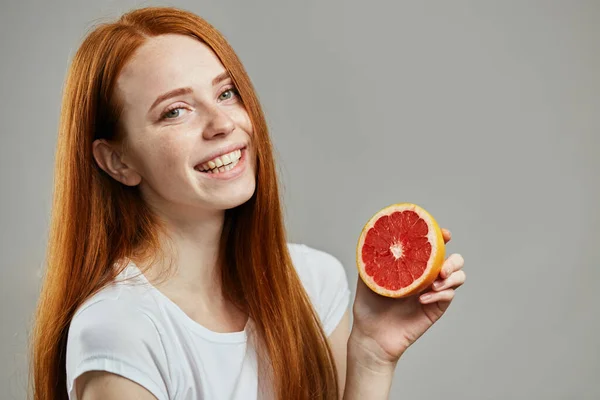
(220, 164)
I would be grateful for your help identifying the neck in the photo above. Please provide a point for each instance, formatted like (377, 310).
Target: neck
(190, 243)
(192, 248)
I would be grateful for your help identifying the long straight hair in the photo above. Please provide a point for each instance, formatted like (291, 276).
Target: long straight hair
(96, 221)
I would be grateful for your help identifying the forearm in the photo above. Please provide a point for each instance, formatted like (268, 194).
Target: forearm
(366, 376)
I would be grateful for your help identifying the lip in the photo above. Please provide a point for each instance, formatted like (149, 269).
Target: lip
(220, 152)
(232, 173)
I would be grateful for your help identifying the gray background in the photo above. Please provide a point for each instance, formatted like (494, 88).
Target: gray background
(484, 112)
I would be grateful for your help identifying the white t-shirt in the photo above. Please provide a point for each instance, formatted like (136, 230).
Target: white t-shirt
(137, 332)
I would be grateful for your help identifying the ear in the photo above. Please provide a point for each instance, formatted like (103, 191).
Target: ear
(110, 159)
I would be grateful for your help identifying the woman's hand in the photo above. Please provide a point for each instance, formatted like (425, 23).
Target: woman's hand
(385, 327)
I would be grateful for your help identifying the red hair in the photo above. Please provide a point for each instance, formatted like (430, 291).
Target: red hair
(96, 221)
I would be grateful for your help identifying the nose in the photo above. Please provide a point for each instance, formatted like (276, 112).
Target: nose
(219, 124)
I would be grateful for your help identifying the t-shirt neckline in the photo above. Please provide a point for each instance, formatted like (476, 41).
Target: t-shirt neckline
(216, 337)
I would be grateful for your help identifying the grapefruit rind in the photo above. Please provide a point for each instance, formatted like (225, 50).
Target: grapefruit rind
(434, 264)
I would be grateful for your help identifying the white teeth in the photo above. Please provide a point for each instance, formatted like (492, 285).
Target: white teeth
(223, 163)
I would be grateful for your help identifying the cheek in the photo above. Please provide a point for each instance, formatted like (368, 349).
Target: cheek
(163, 157)
(172, 155)
(242, 119)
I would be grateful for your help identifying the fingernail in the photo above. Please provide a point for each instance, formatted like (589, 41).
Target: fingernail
(447, 272)
(426, 297)
(438, 284)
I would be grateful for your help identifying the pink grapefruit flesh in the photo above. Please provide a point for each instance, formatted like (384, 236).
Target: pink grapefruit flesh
(400, 251)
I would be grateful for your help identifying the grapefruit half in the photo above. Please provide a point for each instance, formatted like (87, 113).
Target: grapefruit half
(400, 251)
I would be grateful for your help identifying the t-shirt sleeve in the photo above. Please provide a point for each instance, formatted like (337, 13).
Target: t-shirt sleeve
(326, 282)
(118, 338)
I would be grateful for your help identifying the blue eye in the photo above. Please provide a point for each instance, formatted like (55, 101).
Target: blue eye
(233, 92)
(169, 113)
(175, 112)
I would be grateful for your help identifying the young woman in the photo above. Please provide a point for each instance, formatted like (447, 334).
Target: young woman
(169, 275)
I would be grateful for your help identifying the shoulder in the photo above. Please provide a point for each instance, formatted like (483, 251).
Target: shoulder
(316, 266)
(112, 333)
(104, 319)
(116, 314)
(325, 281)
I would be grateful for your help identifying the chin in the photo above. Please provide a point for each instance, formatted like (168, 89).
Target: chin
(234, 196)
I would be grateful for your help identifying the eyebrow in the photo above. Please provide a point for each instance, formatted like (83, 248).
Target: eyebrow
(186, 90)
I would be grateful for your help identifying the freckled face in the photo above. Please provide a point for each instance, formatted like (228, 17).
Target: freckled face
(172, 140)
